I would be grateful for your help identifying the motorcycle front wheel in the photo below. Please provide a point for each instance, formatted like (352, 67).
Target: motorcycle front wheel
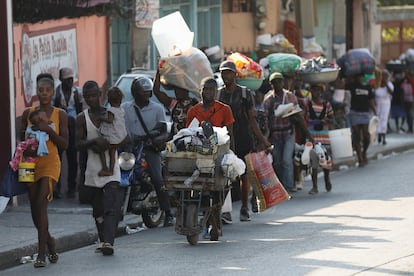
(152, 219)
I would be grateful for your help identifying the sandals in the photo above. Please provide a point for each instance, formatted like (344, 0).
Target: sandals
(107, 249)
(39, 263)
(53, 257)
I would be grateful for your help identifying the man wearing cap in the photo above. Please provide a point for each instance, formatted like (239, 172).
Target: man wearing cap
(150, 113)
(241, 102)
(69, 98)
(278, 106)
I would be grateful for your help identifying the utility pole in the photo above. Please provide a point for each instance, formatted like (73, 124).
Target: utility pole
(7, 105)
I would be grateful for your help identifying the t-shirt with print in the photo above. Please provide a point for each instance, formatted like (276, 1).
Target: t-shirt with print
(360, 96)
(179, 111)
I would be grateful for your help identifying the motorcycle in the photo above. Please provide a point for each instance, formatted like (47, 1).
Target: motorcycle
(140, 195)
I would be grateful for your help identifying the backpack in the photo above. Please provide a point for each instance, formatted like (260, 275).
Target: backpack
(244, 99)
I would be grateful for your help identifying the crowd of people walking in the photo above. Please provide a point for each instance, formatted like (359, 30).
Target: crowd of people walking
(292, 116)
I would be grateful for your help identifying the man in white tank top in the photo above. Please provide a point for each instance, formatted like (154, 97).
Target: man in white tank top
(106, 193)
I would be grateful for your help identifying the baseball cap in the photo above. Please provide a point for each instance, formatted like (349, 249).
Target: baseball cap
(228, 65)
(275, 75)
(66, 73)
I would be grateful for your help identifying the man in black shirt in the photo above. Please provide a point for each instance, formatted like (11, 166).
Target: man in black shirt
(241, 102)
(362, 100)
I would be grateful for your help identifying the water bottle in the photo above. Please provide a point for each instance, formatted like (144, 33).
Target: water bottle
(26, 259)
(189, 181)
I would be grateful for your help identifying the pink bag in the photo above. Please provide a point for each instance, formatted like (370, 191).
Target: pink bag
(265, 183)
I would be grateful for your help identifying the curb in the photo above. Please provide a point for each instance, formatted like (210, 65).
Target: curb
(65, 243)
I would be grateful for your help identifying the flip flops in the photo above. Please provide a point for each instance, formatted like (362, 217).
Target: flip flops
(39, 262)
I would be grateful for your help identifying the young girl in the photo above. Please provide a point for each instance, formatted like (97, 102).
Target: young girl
(113, 129)
(47, 169)
(319, 113)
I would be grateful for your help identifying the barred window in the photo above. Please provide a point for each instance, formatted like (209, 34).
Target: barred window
(237, 6)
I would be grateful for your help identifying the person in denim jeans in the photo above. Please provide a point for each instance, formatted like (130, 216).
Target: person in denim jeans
(282, 130)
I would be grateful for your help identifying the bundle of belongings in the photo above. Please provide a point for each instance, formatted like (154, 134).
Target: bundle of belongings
(201, 138)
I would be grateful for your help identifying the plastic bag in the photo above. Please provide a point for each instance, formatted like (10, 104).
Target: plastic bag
(232, 166)
(245, 66)
(186, 71)
(284, 63)
(264, 181)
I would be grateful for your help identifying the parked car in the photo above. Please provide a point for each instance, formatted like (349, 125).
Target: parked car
(125, 80)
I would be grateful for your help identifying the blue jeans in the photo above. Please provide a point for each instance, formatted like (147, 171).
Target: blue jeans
(283, 151)
(155, 170)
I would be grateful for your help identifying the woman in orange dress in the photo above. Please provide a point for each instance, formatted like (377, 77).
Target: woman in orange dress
(47, 170)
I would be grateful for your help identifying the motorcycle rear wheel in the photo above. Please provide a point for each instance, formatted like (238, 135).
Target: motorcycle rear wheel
(151, 219)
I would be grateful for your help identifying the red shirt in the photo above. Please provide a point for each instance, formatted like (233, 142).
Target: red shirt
(219, 115)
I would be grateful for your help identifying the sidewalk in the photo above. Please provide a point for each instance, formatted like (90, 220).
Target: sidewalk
(73, 227)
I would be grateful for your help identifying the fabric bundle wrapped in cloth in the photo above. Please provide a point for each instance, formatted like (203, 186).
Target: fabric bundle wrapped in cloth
(356, 61)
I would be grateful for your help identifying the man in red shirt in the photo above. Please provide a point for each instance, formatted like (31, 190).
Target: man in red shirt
(211, 110)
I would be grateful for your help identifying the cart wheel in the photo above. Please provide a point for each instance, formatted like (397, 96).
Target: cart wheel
(192, 239)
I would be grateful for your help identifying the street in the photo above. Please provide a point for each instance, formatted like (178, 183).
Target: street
(363, 227)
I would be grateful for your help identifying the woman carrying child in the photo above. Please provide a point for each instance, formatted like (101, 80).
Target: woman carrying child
(47, 170)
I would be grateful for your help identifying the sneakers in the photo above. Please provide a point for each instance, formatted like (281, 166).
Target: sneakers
(169, 220)
(99, 248)
(244, 214)
(226, 218)
(206, 233)
(107, 249)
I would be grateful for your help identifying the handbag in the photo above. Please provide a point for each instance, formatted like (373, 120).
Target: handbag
(158, 136)
(10, 185)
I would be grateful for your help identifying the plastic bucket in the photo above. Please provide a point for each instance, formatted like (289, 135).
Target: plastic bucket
(171, 35)
(341, 143)
(26, 172)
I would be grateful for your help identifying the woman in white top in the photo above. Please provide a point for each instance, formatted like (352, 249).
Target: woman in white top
(383, 96)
